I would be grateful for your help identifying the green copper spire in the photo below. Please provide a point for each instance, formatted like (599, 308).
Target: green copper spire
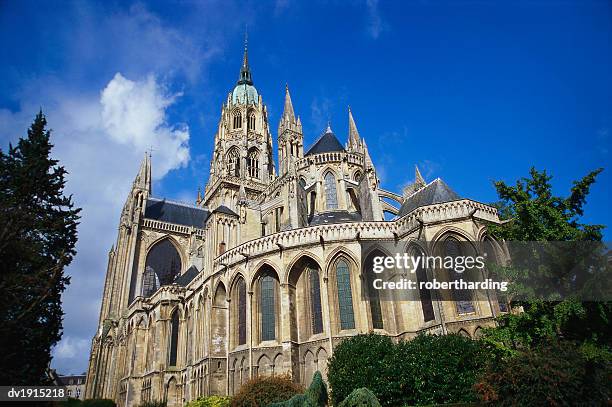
(245, 71)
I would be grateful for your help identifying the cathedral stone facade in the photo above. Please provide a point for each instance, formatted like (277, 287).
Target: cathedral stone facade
(262, 275)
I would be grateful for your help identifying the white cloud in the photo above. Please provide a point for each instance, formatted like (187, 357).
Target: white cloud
(100, 139)
(133, 114)
(70, 347)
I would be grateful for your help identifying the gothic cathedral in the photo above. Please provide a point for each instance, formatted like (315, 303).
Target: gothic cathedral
(262, 275)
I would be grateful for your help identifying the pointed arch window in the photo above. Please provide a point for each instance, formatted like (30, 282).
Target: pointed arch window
(316, 319)
(345, 296)
(462, 297)
(331, 196)
(253, 163)
(373, 294)
(251, 122)
(242, 315)
(174, 331)
(268, 305)
(162, 265)
(424, 294)
(233, 162)
(237, 120)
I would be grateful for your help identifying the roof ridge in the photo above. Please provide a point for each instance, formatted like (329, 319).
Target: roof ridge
(176, 202)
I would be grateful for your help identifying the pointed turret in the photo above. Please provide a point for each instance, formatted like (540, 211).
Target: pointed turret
(290, 136)
(418, 184)
(354, 138)
(199, 198)
(288, 113)
(418, 178)
(143, 179)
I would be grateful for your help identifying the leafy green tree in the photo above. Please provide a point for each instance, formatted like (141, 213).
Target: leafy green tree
(38, 233)
(535, 214)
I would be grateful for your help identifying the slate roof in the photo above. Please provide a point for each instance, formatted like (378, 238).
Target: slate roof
(174, 212)
(433, 193)
(186, 277)
(224, 209)
(325, 144)
(334, 217)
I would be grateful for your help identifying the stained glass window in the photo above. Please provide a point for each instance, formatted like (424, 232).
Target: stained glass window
(462, 297)
(331, 197)
(241, 312)
(424, 294)
(268, 318)
(315, 302)
(345, 296)
(373, 294)
(174, 331)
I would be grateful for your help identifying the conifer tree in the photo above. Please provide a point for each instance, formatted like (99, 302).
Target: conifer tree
(38, 234)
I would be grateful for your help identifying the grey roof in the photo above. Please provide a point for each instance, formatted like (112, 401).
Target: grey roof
(174, 212)
(334, 217)
(325, 144)
(435, 192)
(224, 209)
(186, 277)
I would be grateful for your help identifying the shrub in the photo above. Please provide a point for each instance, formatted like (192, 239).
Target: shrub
(360, 398)
(262, 391)
(425, 370)
(317, 391)
(210, 401)
(359, 361)
(552, 374)
(315, 395)
(299, 400)
(98, 403)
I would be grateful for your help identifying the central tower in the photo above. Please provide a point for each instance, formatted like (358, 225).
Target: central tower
(242, 164)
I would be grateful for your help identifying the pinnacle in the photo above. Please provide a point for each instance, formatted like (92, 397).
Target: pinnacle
(354, 137)
(288, 110)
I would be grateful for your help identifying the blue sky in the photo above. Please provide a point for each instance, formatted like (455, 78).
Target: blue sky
(471, 91)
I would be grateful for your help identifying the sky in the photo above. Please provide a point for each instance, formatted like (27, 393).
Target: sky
(470, 91)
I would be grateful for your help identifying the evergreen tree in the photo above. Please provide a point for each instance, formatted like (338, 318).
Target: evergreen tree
(38, 234)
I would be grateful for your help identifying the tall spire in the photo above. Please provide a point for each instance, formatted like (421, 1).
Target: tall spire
(288, 111)
(143, 179)
(245, 71)
(354, 139)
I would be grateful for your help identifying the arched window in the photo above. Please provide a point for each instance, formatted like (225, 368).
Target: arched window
(253, 163)
(462, 297)
(316, 319)
(233, 162)
(331, 197)
(268, 305)
(373, 294)
(357, 176)
(174, 331)
(491, 255)
(162, 265)
(237, 119)
(242, 316)
(251, 123)
(424, 294)
(345, 296)
(150, 282)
